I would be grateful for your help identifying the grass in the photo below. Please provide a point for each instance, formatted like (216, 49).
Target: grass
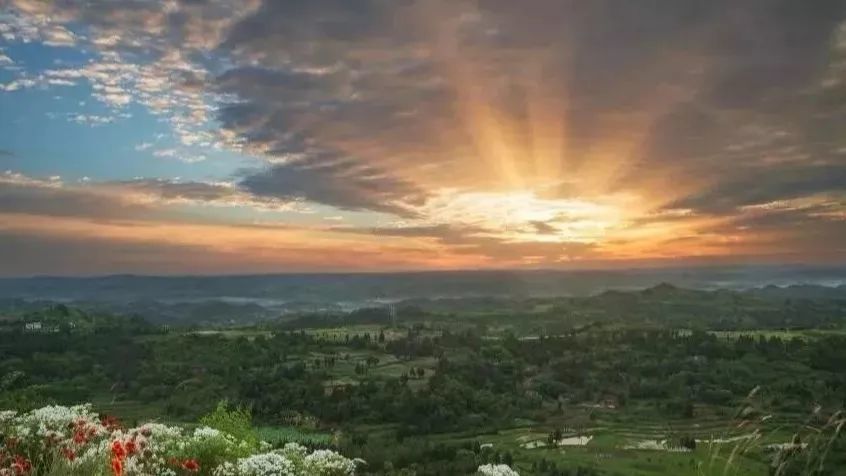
(127, 410)
(278, 435)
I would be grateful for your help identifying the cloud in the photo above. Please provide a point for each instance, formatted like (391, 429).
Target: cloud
(52, 197)
(139, 199)
(544, 227)
(197, 193)
(96, 119)
(752, 187)
(57, 35)
(342, 183)
(805, 231)
(420, 89)
(443, 231)
(466, 82)
(485, 245)
(151, 53)
(32, 254)
(68, 245)
(178, 155)
(469, 121)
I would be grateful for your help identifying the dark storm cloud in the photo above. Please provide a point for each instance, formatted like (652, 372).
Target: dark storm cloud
(722, 83)
(767, 185)
(811, 230)
(798, 220)
(738, 82)
(343, 184)
(278, 87)
(317, 30)
(308, 118)
(764, 125)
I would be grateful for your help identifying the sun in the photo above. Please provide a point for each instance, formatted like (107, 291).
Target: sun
(526, 216)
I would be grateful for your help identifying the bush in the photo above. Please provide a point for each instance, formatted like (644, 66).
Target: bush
(74, 441)
(235, 421)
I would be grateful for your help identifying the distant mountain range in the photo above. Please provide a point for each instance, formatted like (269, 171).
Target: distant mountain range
(351, 290)
(238, 300)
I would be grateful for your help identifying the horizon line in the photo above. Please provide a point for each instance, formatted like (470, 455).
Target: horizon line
(820, 267)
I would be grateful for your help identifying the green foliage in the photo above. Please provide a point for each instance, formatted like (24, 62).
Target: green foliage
(233, 420)
(622, 367)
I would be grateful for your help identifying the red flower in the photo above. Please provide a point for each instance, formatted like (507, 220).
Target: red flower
(117, 467)
(21, 465)
(110, 422)
(191, 465)
(118, 450)
(69, 454)
(130, 447)
(79, 437)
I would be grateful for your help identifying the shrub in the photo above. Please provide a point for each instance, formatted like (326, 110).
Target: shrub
(74, 441)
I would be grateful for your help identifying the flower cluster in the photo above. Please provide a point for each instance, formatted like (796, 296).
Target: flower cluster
(35, 438)
(75, 441)
(496, 470)
(292, 460)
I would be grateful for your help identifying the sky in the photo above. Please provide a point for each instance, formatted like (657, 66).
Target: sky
(260, 136)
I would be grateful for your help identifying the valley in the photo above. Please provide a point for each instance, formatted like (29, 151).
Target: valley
(664, 380)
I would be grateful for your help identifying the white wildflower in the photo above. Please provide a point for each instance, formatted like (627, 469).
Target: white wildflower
(496, 470)
(329, 463)
(266, 464)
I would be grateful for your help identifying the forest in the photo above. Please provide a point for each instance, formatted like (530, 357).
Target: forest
(659, 381)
